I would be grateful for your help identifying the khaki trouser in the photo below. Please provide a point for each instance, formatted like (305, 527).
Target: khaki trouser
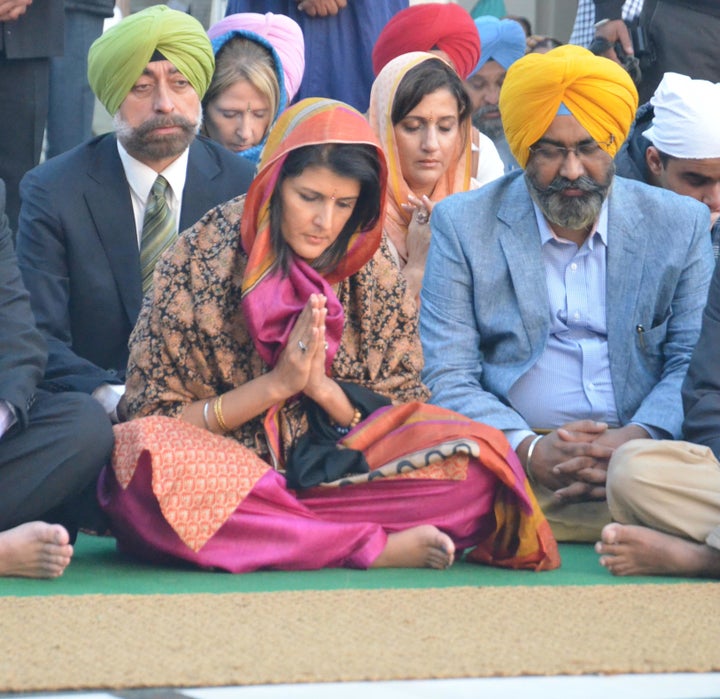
(579, 521)
(670, 486)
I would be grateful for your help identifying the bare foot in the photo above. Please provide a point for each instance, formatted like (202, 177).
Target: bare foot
(420, 547)
(35, 550)
(627, 549)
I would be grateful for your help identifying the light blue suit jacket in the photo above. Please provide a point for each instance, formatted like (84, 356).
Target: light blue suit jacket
(484, 314)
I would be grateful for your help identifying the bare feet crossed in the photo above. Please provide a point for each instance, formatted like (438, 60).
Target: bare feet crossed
(627, 549)
(420, 547)
(35, 550)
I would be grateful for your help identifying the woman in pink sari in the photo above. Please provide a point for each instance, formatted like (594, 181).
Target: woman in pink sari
(274, 378)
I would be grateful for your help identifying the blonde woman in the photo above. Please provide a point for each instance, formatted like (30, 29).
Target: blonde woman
(259, 64)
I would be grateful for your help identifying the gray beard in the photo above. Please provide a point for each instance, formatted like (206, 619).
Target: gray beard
(492, 128)
(140, 145)
(575, 213)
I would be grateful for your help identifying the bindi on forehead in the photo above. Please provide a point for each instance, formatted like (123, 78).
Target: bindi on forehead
(431, 118)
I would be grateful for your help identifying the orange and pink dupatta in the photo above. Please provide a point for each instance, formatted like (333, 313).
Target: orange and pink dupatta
(271, 301)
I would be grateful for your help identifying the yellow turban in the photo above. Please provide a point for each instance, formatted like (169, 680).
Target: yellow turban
(117, 59)
(598, 92)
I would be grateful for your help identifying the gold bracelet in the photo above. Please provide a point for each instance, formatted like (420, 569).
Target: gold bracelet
(357, 416)
(217, 409)
(344, 429)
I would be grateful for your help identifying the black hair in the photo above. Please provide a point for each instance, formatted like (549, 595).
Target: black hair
(664, 157)
(524, 22)
(546, 42)
(422, 80)
(356, 161)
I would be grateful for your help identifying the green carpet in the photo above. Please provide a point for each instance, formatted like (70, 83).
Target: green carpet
(111, 622)
(98, 569)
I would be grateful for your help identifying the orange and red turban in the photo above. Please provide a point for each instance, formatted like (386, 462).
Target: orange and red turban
(428, 26)
(598, 92)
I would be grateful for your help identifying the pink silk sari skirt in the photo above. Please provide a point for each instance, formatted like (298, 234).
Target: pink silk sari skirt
(178, 493)
(275, 529)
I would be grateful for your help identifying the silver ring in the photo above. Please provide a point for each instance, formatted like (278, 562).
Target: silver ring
(326, 346)
(302, 346)
(422, 217)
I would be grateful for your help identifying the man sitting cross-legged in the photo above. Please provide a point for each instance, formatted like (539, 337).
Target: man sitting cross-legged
(666, 494)
(52, 445)
(95, 220)
(561, 303)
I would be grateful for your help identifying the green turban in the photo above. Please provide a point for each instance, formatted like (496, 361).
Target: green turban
(117, 59)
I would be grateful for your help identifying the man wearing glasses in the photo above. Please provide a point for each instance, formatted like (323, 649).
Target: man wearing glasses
(561, 303)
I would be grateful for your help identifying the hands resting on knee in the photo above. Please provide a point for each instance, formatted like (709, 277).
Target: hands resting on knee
(572, 460)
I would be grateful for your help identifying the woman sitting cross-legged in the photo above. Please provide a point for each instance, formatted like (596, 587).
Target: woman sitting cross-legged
(275, 375)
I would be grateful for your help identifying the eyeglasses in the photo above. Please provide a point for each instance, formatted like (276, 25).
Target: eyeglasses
(552, 153)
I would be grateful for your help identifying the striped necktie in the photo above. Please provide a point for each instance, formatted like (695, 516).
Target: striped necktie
(158, 231)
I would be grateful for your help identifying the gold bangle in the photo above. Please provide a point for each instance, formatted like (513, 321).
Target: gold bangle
(217, 409)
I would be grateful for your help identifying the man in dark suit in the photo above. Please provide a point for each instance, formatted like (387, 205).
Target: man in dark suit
(82, 234)
(30, 33)
(52, 447)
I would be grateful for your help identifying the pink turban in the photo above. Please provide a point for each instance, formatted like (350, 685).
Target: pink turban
(281, 32)
(429, 26)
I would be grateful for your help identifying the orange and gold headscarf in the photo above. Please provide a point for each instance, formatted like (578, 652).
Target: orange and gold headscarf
(271, 300)
(456, 177)
(598, 92)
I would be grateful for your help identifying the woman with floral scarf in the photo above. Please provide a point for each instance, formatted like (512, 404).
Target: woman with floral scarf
(280, 420)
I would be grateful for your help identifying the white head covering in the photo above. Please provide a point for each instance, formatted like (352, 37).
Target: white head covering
(685, 121)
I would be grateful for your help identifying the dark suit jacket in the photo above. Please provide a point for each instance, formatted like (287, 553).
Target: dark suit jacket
(22, 348)
(78, 251)
(39, 33)
(701, 389)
